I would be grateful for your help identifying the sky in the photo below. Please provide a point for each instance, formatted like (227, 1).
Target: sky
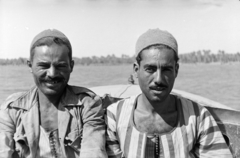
(106, 27)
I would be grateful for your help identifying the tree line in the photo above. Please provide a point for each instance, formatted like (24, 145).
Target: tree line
(205, 56)
(201, 56)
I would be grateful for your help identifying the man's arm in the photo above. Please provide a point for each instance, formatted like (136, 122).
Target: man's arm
(210, 141)
(93, 139)
(9, 117)
(7, 129)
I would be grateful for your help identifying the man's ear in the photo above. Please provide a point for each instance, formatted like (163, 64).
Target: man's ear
(176, 69)
(135, 69)
(29, 63)
(72, 65)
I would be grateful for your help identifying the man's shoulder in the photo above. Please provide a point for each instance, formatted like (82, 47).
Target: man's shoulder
(15, 99)
(81, 91)
(191, 107)
(121, 104)
(81, 95)
(188, 102)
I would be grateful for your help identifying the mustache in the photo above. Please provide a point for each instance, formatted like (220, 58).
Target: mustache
(53, 79)
(161, 85)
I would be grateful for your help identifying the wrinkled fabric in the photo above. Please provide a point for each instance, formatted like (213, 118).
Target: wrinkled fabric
(80, 123)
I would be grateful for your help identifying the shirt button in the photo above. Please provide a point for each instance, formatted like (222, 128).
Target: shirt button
(67, 138)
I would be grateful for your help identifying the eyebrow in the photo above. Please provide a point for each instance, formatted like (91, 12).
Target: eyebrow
(150, 65)
(60, 63)
(167, 66)
(42, 62)
(154, 65)
(46, 62)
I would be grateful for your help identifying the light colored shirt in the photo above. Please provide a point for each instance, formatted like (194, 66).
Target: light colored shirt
(81, 126)
(195, 136)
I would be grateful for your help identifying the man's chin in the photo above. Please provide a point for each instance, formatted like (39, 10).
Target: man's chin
(159, 97)
(51, 92)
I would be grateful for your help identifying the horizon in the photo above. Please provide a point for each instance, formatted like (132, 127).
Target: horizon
(111, 55)
(124, 56)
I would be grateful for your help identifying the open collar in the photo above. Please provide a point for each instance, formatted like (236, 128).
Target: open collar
(30, 98)
(69, 98)
(26, 100)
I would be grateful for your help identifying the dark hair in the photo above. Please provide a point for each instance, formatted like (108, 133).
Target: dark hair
(48, 41)
(156, 46)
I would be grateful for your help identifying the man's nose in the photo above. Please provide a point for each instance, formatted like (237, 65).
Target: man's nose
(52, 72)
(158, 77)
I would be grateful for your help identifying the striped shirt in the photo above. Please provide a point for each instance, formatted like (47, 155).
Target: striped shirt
(195, 135)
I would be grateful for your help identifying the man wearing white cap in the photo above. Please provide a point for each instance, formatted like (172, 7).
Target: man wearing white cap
(157, 124)
(52, 119)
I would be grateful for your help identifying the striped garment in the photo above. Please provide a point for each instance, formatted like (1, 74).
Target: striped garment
(196, 133)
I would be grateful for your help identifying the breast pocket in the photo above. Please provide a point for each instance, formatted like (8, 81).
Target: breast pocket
(21, 144)
(73, 140)
(21, 149)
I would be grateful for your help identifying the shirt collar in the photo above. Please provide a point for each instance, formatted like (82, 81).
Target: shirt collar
(29, 99)
(69, 98)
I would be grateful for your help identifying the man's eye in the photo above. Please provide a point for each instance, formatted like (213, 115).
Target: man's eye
(167, 69)
(44, 66)
(150, 70)
(62, 66)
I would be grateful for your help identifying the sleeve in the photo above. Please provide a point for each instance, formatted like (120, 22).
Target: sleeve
(7, 129)
(93, 139)
(107, 100)
(210, 142)
(112, 143)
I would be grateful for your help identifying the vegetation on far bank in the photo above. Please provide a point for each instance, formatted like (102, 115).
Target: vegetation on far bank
(201, 56)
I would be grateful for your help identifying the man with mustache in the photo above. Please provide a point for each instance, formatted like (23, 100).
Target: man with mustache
(156, 123)
(53, 119)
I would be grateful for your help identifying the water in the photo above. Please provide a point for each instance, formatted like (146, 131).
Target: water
(213, 81)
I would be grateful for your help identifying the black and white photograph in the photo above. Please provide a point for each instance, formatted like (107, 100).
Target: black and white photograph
(119, 78)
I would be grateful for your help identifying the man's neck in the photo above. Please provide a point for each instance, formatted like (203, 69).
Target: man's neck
(47, 101)
(48, 111)
(163, 107)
